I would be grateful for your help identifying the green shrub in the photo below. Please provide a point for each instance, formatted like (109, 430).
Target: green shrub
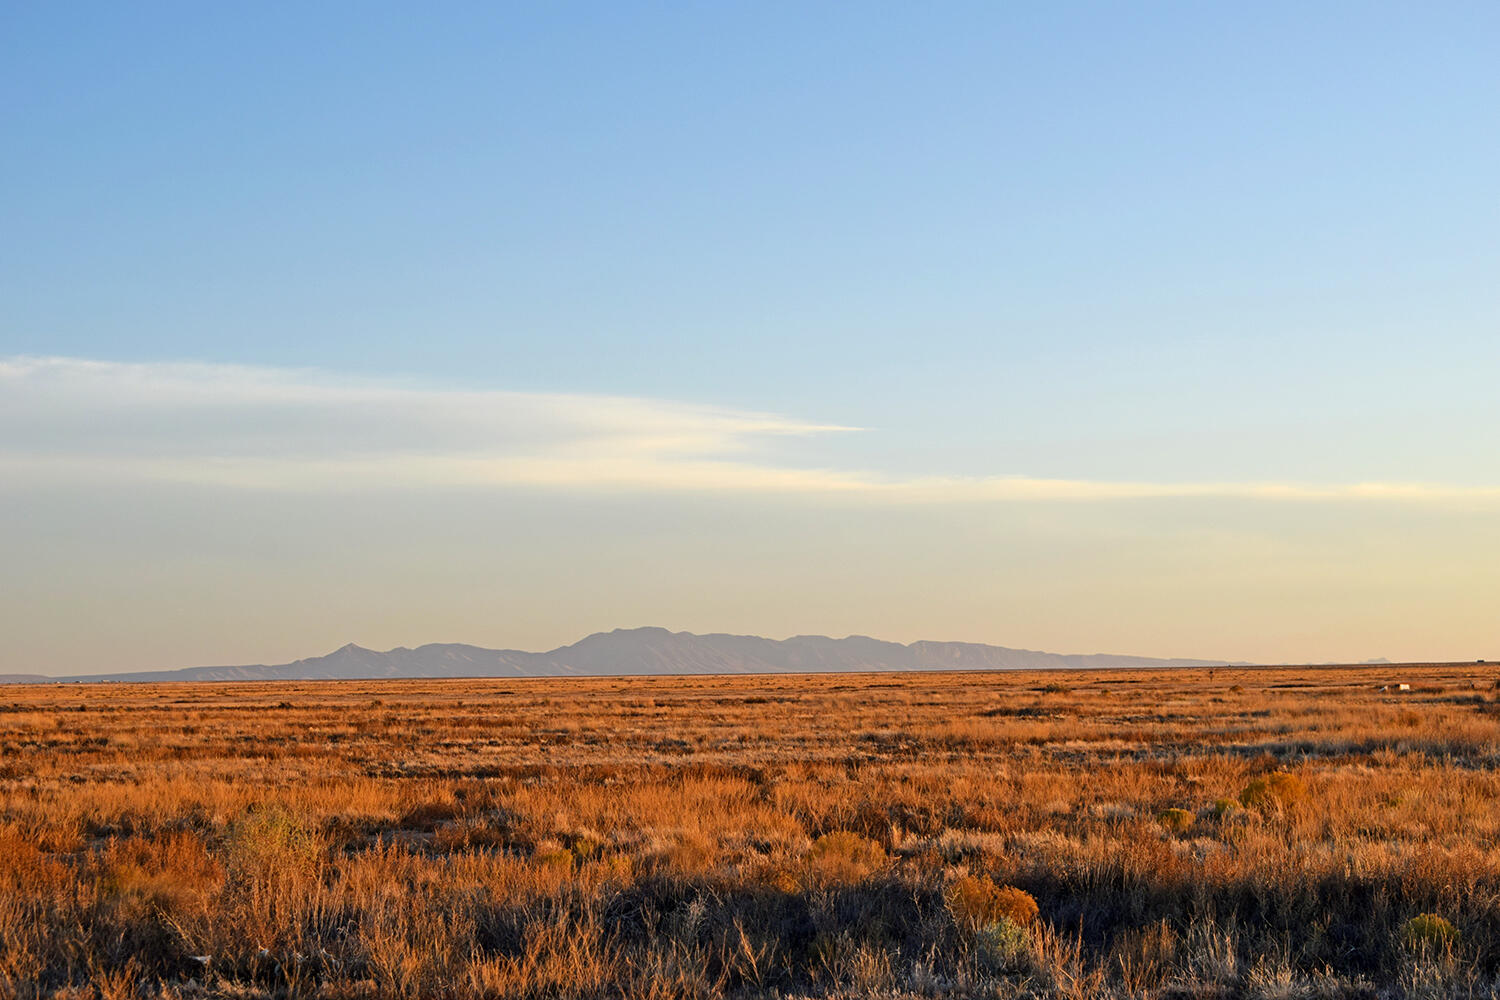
(1176, 820)
(996, 914)
(553, 856)
(1001, 944)
(1279, 788)
(1428, 930)
(271, 842)
(584, 847)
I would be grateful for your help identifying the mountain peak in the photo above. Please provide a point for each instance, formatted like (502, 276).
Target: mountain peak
(652, 650)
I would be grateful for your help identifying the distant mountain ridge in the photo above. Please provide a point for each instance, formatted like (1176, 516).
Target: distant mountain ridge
(641, 651)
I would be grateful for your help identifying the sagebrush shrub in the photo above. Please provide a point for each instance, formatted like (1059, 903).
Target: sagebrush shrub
(1429, 930)
(1002, 943)
(1176, 820)
(271, 843)
(1279, 788)
(976, 901)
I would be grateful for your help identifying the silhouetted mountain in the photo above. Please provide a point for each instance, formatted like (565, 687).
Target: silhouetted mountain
(640, 651)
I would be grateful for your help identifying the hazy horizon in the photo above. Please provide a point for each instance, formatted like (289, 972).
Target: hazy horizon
(1167, 332)
(510, 647)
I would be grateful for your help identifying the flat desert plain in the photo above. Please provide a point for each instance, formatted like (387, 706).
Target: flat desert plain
(1274, 832)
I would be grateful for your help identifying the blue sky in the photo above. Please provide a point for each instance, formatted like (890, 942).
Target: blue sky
(1170, 256)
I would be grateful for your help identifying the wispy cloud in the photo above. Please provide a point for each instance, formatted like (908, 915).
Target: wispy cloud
(287, 428)
(290, 429)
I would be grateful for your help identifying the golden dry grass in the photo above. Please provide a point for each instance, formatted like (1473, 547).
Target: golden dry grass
(1228, 832)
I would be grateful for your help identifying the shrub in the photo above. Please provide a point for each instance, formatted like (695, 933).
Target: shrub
(845, 856)
(551, 854)
(1429, 930)
(1224, 808)
(780, 875)
(975, 902)
(272, 843)
(584, 847)
(1176, 820)
(997, 915)
(1001, 944)
(1279, 788)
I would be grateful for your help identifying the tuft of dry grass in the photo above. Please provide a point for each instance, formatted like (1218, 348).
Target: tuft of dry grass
(844, 856)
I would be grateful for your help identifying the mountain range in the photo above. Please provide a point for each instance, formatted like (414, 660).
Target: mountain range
(640, 651)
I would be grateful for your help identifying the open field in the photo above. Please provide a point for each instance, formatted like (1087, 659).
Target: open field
(1228, 832)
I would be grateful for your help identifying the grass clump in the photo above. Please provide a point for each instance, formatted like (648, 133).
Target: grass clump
(429, 815)
(843, 857)
(1428, 930)
(1277, 789)
(272, 843)
(585, 848)
(1176, 820)
(551, 854)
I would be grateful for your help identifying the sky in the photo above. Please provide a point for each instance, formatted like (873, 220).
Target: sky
(1165, 328)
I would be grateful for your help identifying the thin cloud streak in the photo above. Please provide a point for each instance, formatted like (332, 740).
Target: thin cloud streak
(65, 420)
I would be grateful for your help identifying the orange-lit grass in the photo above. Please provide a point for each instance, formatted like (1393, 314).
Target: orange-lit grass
(742, 835)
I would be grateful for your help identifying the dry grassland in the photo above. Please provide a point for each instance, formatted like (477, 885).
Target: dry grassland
(1188, 833)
